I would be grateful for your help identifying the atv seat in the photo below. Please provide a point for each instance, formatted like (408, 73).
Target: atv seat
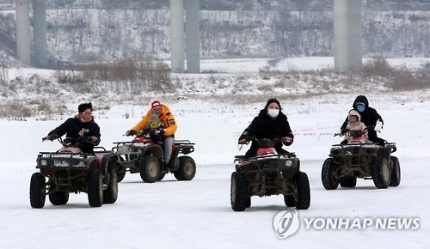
(70, 149)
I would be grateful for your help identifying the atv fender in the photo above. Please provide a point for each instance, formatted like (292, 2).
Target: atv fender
(155, 150)
(108, 162)
(92, 165)
(389, 148)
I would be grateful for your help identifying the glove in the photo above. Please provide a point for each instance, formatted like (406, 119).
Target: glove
(50, 137)
(379, 126)
(159, 131)
(139, 133)
(340, 132)
(287, 140)
(130, 133)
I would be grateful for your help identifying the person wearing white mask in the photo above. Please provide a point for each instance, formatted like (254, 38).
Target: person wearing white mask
(80, 128)
(270, 123)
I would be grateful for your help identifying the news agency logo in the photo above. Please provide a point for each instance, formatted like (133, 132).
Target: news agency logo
(286, 223)
(378, 223)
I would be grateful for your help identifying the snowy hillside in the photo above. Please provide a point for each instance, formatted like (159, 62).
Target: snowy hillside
(90, 32)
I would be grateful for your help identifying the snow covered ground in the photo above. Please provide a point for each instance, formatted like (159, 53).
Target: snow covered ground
(197, 213)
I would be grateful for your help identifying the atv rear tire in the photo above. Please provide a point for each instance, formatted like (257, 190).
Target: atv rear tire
(348, 182)
(58, 197)
(381, 172)
(120, 170)
(110, 194)
(327, 175)
(238, 198)
(395, 172)
(162, 175)
(95, 188)
(303, 200)
(186, 170)
(248, 202)
(149, 169)
(37, 190)
(120, 176)
(289, 201)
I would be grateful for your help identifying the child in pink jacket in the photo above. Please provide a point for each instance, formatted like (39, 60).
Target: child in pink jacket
(356, 130)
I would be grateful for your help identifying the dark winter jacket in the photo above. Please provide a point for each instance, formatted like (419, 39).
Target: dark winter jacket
(369, 117)
(72, 126)
(263, 126)
(156, 138)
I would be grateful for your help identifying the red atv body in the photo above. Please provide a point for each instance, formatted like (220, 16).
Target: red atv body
(143, 156)
(68, 170)
(266, 174)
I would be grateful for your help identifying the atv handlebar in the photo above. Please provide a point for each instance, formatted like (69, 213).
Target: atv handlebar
(68, 141)
(51, 137)
(264, 142)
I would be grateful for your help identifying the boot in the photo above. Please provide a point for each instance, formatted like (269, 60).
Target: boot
(167, 166)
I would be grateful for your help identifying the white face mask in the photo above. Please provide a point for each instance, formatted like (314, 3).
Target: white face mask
(273, 113)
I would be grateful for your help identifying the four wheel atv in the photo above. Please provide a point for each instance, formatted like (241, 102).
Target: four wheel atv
(70, 171)
(266, 174)
(143, 156)
(368, 161)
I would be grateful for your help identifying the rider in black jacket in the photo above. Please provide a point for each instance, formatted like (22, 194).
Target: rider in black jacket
(81, 128)
(270, 123)
(370, 117)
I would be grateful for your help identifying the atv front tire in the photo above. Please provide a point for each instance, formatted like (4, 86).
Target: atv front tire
(381, 172)
(327, 175)
(149, 169)
(37, 190)
(238, 198)
(303, 200)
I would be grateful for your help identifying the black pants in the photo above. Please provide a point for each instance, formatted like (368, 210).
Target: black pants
(374, 138)
(87, 147)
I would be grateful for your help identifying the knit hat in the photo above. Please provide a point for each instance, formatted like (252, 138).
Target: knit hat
(154, 117)
(271, 101)
(84, 106)
(155, 104)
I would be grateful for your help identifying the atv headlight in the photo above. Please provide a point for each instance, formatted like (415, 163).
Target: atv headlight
(124, 149)
(43, 162)
(288, 163)
(59, 163)
(81, 164)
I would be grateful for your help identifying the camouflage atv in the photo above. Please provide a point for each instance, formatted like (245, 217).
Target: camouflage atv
(145, 157)
(68, 170)
(347, 162)
(267, 174)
